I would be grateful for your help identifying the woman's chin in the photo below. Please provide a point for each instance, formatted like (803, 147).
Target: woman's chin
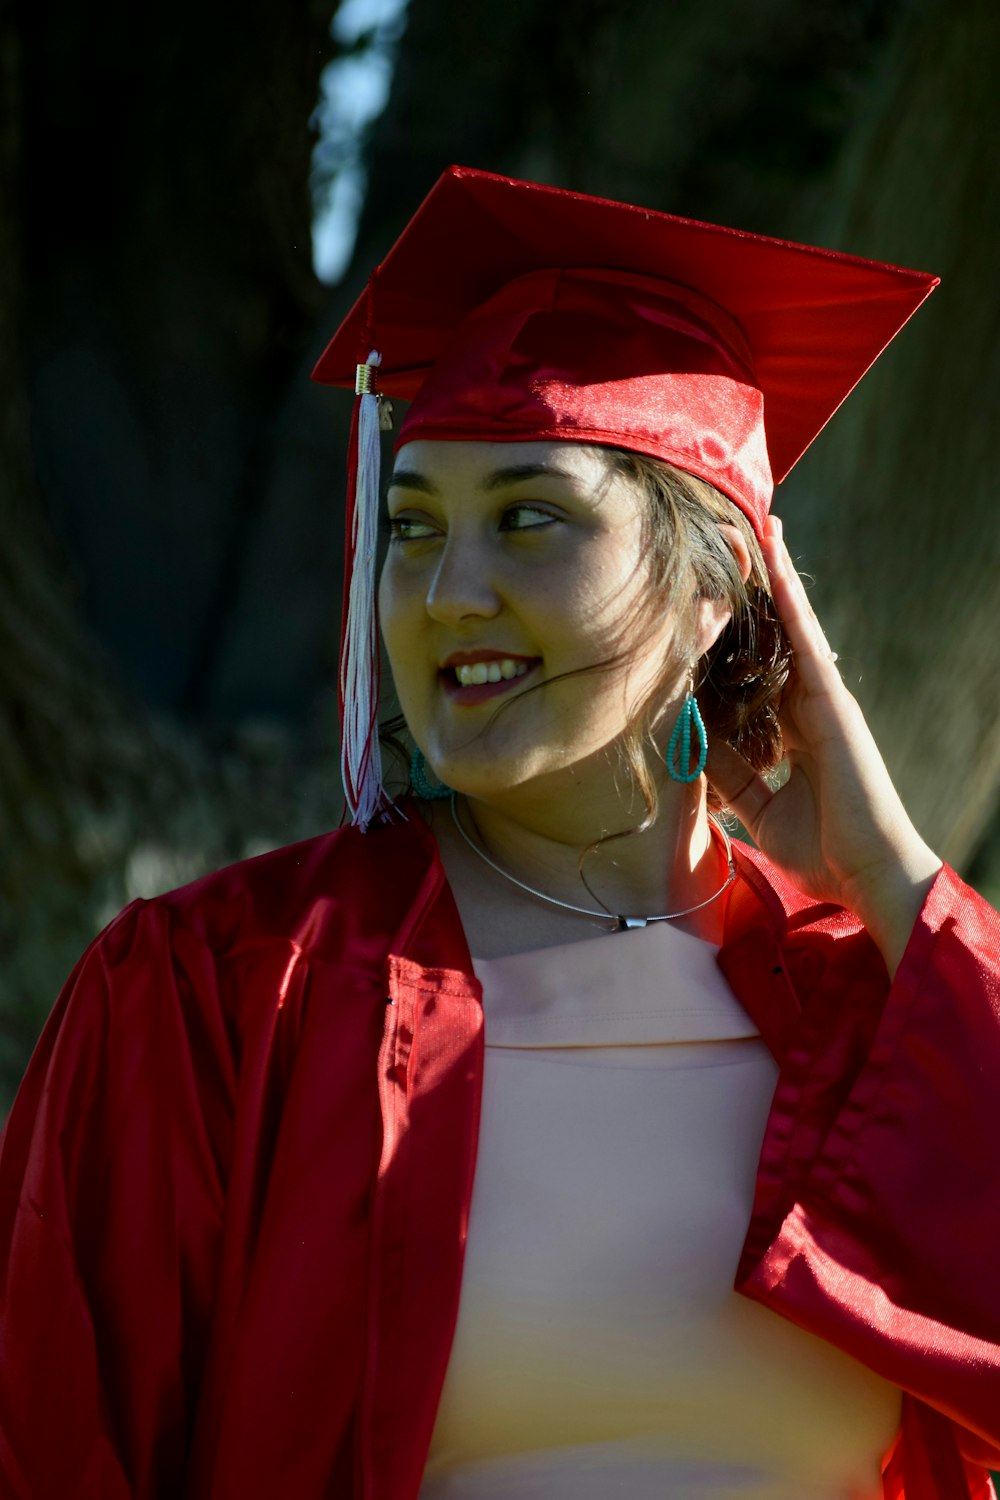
(521, 785)
(487, 780)
(482, 786)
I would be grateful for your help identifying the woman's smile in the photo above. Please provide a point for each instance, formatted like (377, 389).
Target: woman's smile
(473, 677)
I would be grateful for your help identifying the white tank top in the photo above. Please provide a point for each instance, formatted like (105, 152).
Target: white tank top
(601, 1351)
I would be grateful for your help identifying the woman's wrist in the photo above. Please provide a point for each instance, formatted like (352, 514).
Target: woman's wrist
(889, 900)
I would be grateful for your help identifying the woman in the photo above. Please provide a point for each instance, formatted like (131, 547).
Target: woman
(237, 1185)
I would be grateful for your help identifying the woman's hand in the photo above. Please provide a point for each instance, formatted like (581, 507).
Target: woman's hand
(836, 827)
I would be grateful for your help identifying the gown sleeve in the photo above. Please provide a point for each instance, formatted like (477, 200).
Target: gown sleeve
(882, 1158)
(112, 1169)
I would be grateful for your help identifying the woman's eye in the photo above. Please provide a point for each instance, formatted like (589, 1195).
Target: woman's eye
(409, 529)
(525, 518)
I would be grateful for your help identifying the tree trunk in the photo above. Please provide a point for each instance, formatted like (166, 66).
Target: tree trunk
(156, 307)
(899, 501)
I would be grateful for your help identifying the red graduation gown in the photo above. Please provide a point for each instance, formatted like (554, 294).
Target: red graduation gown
(235, 1183)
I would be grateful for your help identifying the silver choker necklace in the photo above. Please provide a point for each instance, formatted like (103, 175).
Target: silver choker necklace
(621, 923)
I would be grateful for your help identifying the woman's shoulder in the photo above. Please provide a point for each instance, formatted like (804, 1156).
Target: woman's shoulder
(209, 950)
(197, 971)
(298, 891)
(950, 904)
(773, 900)
(781, 937)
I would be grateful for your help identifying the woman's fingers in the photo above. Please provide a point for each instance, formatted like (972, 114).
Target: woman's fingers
(801, 624)
(738, 784)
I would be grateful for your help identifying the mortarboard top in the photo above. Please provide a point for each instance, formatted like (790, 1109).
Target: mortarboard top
(809, 321)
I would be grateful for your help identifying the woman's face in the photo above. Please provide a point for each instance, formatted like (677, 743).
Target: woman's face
(510, 565)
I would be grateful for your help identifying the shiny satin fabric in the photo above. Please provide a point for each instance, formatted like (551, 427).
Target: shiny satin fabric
(592, 356)
(802, 323)
(234, 1186)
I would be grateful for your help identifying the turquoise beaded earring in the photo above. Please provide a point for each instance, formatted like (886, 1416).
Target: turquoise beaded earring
(679, 767)
(420, 784)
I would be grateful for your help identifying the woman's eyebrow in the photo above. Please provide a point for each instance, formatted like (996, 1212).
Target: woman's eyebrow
(410, 479)
(516, 473)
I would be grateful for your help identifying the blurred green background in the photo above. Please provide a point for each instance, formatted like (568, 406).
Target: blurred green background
(170, 482)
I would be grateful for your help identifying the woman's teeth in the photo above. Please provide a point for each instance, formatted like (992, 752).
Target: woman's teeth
(478, 672)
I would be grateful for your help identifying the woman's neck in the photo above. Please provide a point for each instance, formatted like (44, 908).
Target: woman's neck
(581, 849)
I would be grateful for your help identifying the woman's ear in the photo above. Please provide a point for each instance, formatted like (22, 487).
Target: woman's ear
(741, 551)
(713, 617)
(713, 614)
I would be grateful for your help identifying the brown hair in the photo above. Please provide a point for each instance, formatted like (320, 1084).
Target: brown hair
(739, 680)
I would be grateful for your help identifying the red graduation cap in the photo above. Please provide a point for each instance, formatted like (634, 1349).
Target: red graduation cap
(508, 311)
(805, 323)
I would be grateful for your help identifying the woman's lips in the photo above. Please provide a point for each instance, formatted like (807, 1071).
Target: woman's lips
(505, 671)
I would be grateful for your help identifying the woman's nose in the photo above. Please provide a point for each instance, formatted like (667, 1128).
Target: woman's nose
(462, 586)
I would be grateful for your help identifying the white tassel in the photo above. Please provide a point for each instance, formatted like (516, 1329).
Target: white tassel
(360, 754)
